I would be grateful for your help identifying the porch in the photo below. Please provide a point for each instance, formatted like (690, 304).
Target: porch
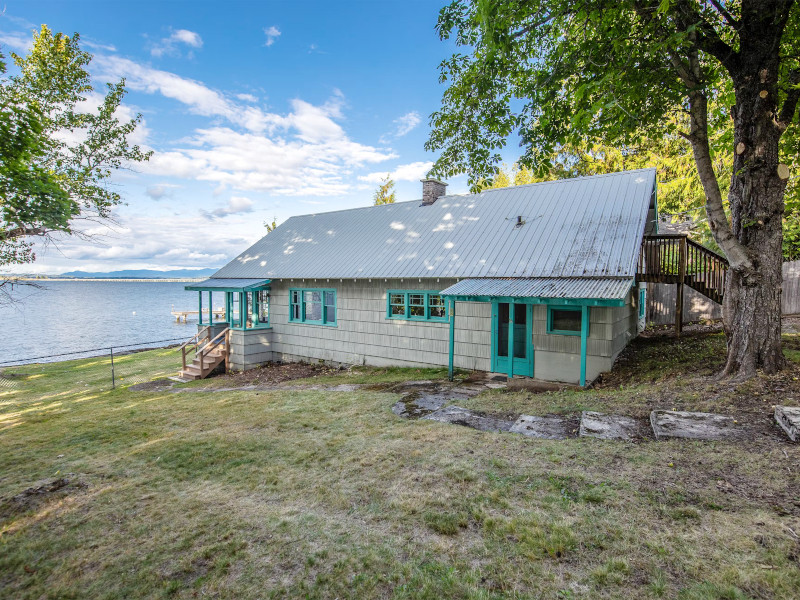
(565, 306)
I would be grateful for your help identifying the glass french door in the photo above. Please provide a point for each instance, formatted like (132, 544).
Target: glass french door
(512, 349)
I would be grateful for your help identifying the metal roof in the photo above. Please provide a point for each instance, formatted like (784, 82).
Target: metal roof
(583, 227)
(543, 287)
(219, 283)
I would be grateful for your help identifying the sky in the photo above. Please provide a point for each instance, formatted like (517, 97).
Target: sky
(253, 110)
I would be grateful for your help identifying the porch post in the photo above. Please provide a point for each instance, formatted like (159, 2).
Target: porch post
(242, 312)
(228, 303)
(510, 340)
(452, 339)
(210, 308)
(199, 308)
(584, 336)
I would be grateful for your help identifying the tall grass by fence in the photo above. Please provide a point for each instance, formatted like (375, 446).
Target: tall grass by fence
(696, 307)
(106, 368)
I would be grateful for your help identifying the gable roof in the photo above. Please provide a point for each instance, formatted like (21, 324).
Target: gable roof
(583, 227)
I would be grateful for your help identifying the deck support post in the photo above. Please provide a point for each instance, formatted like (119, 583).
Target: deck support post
(199, 308)
(679, 294)
(452, 347)
(584, 339)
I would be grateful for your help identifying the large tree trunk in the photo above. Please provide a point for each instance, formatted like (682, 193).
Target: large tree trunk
(752, 305)
(752, 240)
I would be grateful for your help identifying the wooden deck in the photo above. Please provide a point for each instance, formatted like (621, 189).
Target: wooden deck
(674, 258)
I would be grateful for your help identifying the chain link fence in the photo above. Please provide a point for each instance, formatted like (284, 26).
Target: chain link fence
(100, 368)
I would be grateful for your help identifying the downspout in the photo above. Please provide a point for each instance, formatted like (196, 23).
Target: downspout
(584, 336)
(451, 350)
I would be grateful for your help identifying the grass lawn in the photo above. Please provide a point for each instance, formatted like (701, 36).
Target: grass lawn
(319, 494)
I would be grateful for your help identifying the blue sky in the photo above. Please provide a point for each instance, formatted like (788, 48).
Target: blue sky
(253, 110)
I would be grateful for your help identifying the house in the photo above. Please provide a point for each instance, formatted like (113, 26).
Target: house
(536, 281)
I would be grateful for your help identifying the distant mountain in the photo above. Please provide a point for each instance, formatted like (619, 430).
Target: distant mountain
(142, 274)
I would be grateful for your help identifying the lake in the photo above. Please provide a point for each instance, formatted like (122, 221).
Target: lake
(69, 316)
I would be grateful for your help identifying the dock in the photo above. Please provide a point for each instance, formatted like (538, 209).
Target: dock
(183, 315)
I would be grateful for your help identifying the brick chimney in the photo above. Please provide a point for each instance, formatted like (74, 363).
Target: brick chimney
(432, 190)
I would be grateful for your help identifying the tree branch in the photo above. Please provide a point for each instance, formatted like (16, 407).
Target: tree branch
(22, 231)
(717, 219)
(725, 14)
(707, 40)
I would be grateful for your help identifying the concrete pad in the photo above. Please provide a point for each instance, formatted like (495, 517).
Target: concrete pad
(462, 416)
(788, 417)
(693, 425)
(609, 427)
(550, 428)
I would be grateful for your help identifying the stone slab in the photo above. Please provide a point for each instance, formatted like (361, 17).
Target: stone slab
(693, 425)
(415, 406)
(609, 427)
(550, 428)
(788, 417)
(461, 416)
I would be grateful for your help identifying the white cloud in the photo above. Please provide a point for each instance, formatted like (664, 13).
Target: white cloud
(272, 33)
(171, 45)
(406, 123)
(246, 97)
(410, 172)
(17, 41)
(98, 46)
(200, 99)
(160, 190)
(236, 205)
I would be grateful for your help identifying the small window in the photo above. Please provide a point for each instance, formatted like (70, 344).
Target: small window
(564, 320)
(436, 304)
(415, 306)
(263, 307)
(316, 307)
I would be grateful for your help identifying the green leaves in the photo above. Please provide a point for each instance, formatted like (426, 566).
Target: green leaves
(46, 182)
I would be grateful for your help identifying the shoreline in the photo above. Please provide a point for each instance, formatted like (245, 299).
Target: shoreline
(122, 279)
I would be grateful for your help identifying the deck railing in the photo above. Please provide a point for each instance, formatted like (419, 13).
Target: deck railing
(674, 258)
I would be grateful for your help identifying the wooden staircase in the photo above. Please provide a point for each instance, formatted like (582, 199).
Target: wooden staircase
(209, 353)
(674, 258)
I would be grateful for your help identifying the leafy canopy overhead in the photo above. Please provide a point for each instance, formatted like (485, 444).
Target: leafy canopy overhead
(57, 151)
(564, 73)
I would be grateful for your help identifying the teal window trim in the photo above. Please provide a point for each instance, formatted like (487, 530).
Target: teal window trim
(551, 309)
(642, 301)
(408, 304)
(298, 306)
(242, 315)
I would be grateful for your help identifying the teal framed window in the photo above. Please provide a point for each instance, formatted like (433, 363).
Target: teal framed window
(313, 306)
(642, 301)
(247, 310)
(415, 305)
(564, 320)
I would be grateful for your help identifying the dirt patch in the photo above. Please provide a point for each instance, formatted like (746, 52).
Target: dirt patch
(273, 373)
(39, 494)
(157, 385)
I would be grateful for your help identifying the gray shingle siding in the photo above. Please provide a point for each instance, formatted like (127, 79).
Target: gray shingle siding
(364, 336)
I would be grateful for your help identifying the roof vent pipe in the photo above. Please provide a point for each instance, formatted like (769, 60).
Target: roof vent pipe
(432, 190)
